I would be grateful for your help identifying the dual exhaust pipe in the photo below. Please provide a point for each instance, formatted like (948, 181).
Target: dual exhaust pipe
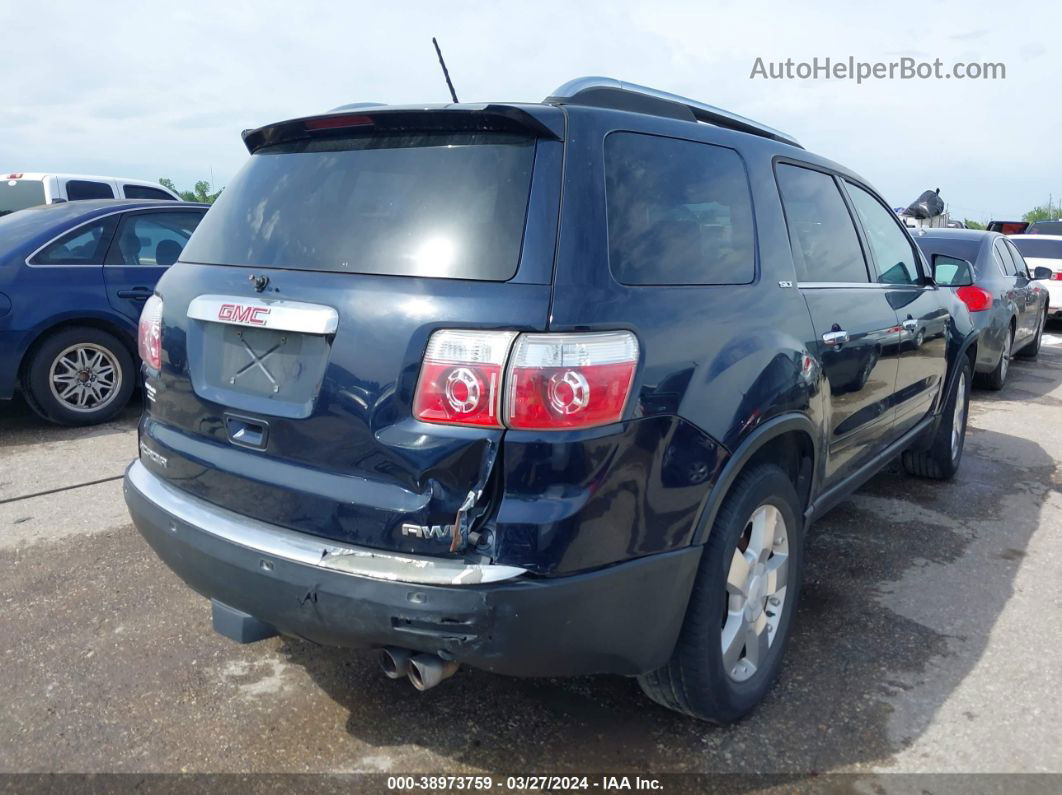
(425, 671)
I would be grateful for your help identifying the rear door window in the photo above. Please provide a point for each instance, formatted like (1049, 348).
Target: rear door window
(77, 189)
(144, 192)
(85, 245)
(893, 253)
(154, 238)
(679, 212)
(449, 205)
(825, 243)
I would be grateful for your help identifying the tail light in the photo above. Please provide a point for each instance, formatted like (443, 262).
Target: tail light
(149, 334)
(570, 380)
(461, 378)
(976, 299)
(553, 381)
(1056, 276)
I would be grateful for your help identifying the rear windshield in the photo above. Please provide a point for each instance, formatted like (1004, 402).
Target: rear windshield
(448, 205)
(1038, 249)
(960, 248)
(18, 194)
(1045, 228)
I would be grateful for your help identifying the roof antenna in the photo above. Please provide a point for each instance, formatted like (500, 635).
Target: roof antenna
(446, 73)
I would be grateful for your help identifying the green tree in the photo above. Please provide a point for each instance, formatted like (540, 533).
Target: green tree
(1044, 212)
(203, 192)
(973, 224)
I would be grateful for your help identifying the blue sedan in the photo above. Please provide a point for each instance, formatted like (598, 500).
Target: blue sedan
(73, 279)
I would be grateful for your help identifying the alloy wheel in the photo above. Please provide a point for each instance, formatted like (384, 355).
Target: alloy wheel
(85, 377)
(756, 593)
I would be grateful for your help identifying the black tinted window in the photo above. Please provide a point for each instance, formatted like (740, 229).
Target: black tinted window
(449, 205)
(152, 238)
(144, 192)
(825, 244)
(679, 212)
(893, 253)
(86, 189)
(85, 245)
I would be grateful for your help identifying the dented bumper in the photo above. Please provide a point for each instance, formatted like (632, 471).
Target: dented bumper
(621, 619)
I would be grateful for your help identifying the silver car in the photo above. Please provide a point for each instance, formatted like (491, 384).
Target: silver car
(990, 276)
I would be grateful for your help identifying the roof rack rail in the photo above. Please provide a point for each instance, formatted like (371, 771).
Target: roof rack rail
(607, 92)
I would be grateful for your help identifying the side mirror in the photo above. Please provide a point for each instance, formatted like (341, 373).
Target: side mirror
(1040, 272)
(952, 271)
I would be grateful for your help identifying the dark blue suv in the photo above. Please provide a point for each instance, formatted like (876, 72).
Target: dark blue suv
(547, 389)
(73, 279)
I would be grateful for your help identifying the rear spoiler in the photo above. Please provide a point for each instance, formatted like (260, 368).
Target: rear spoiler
(544, 122)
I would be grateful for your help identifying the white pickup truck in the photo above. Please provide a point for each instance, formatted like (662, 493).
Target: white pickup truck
(20, 190)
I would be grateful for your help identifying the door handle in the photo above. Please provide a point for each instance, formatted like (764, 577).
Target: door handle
(835, 337)
(137, 293)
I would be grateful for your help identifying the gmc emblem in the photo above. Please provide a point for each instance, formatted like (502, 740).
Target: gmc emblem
(247, 315)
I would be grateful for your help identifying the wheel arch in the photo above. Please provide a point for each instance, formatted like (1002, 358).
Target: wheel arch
(790, 440)
(96, 321)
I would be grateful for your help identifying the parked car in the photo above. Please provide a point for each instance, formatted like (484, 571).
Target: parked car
(1044, 251)
(73, 279)
(1045, 228)
(547, 389)
(21, 190)
(992, 278)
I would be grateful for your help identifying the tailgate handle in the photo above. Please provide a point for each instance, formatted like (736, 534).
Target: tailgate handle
(247, 432)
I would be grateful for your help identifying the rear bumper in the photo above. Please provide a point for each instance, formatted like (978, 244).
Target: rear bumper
(623, 619)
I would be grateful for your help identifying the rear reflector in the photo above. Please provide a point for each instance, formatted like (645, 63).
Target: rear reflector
(560, 381)
(14, 176)
(461, 378)
(149, 333)
(976, 299)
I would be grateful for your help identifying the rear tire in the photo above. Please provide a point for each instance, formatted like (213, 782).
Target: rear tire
(940, 461)
(998, 377)
(739, 616)
(1032, 350)
(79, 376)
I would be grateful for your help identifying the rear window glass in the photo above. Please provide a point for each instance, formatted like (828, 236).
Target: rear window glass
(1038, 249)
(447, 205)
(18, 194)
(679, 212)
(1045, 228)
(144, 192)
(79, 189)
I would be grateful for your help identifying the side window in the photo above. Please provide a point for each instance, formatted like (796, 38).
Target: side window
(1019, 261)
(83, 246)
(86, 189)
(824, 239)
(1004, 258)
(153, 238)
(679, 212)
(895, 256)
(144, 192)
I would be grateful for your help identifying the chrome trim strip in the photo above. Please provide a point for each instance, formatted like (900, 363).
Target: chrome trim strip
(308, 550)
(258, 313)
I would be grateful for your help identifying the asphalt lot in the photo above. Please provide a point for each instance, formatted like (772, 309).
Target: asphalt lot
(929, 639)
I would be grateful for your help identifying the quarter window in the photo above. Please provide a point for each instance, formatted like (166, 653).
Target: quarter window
(1019, 261)
(144, 192)
(824, 239)
(83, 246)
(893, 252)
(1004, 258)
(86, 189)
(679, 212)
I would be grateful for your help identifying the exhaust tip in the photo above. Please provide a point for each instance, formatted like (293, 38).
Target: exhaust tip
(395, 662)
(428, 670)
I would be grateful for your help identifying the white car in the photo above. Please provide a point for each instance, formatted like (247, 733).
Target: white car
(20, 190)
(1044, 251)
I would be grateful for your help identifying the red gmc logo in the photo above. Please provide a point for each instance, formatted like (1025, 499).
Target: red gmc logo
(248, 315)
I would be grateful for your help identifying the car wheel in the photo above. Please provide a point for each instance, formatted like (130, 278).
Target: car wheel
(998, 377)
(941, 459)
(1032, 350)
(79, 376)
(742, 605)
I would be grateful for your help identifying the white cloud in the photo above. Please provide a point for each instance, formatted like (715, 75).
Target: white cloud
(142, 89)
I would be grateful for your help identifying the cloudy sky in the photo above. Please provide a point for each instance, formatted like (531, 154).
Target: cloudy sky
(151, 89)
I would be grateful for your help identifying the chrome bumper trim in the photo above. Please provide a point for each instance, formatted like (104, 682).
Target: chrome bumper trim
(308, 550)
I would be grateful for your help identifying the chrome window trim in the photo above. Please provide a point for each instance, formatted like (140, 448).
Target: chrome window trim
(64, 234)
(861, 285)
(308, 550)
(279, 314)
